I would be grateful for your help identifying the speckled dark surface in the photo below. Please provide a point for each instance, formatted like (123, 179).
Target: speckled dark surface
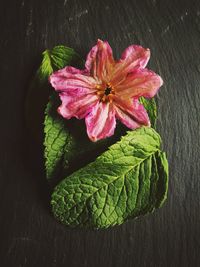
(29, 235)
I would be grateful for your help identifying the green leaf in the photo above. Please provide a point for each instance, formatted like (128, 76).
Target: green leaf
(52, 60)
(150, 106)
(58, 140)
(55, 59)
(128, 180)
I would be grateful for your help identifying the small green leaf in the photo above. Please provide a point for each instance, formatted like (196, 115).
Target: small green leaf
(45, 68)
(128, 180)
(58, 140)
(150, 106)
(59, 57)
(57, 137)
(55, 59)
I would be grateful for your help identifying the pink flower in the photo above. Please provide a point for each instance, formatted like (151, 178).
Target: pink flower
(107, 89)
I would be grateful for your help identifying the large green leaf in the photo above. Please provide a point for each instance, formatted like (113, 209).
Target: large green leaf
(126, 181)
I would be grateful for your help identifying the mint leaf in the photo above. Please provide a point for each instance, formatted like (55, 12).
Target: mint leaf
(128, 180)
(57, 135)
(45, 68)
(55, 59)
(52, 60)
(150, 106)
(58, 140)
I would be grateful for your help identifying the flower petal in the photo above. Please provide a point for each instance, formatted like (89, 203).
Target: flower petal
(133, 57)
(141, 82)
(73, 81)
(76, 90)
(131, 113)
(101, 121)
(100, 61)
(78, 107)
(136, 56)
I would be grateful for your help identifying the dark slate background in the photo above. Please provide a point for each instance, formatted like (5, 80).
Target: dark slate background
(29, 235)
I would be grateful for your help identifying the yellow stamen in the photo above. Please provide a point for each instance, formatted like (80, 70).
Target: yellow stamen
(105, 92)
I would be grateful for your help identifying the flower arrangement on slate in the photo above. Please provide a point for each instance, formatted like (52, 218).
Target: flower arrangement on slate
(117, 171)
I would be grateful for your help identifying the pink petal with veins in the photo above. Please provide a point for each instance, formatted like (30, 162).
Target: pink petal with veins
(100, 61)
(131, 113)
(73, 81)
(141, 82)
(78, 107)
(101, 121)
(133, 57)
(77, 92)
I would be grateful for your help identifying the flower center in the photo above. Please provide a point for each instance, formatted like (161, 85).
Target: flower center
(105, 92)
